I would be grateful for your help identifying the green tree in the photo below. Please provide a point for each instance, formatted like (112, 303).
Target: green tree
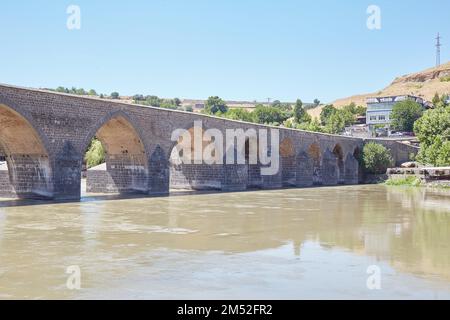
(115, 95)
(404, 114)
(313, 126)
(433, 132)
(327, 111)
(138, 97)
(355, 110)
(361, 110)
(316, 102)
(239, 114)
(269, 115)
(92, 92)
(336, 122)
(351, 108)
(276, 103)
(95, 154)
(189, 109)
(300, 114)
(61, 89)
(168, 104)
(215, 104)
(349, 117)
(81, 92)
(376, 158)
(285, 107)
(177, 102)
(153, 101)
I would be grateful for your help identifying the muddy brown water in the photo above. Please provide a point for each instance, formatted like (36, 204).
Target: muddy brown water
(283, 244)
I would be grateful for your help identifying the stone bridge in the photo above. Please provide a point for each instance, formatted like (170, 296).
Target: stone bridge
(44, 136)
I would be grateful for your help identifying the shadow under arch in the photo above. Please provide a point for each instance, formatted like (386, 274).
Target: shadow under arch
(126, 168)
(185, 173)
(315, 154)
(288, 163)
(25, 150)
(339, 154)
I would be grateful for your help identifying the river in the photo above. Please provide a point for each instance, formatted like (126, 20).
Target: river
(283, 244)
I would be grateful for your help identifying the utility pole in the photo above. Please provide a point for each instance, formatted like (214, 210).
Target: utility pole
(438, 50)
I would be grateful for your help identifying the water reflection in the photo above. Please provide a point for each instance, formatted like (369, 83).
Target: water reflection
(182, 244)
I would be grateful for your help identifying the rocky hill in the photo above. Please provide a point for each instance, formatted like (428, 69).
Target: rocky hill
(424, 84)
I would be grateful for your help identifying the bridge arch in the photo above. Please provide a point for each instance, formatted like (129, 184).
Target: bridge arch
(288, 163)
(26, 152)
(315, 154)
(339, 154)
(126, 156)
(190, 175)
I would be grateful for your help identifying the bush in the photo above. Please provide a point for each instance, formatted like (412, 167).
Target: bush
(313, 126)
(269, 115)
(411, 181)
(95, 154)
(376, 158)
(433, 132)
(239, 114)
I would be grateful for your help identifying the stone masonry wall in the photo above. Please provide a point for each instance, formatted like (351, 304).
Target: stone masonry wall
(65, 124)
(6, 189)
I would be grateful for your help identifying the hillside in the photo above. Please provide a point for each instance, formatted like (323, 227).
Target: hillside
(423, 84)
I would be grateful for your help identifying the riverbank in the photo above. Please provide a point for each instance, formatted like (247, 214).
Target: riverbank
(419, 177)
(412, 181)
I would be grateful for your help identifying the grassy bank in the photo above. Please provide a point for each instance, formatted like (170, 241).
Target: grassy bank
(412, 181)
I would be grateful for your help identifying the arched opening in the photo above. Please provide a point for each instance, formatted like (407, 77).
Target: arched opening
(186, 173)
(357, 153)
(314, 153)
(25, 169)
(124, 166)
(337, 151)
(288, 163)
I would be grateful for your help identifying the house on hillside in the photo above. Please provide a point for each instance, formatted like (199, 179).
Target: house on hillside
(379, 111)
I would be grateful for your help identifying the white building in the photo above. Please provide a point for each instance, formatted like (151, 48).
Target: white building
(379, 109)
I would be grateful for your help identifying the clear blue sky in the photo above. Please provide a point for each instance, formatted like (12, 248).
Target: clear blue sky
(237, 49)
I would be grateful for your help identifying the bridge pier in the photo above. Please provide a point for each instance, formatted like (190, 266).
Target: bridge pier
(304, 171)
(159, 173)
(329, 169)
